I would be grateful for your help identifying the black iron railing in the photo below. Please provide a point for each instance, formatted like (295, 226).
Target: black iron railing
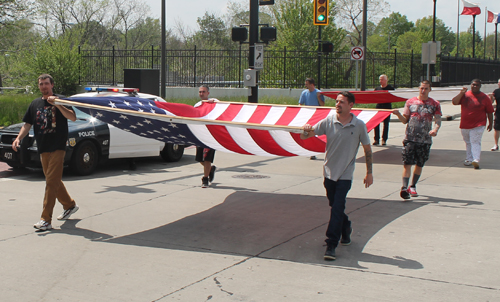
(282, 68)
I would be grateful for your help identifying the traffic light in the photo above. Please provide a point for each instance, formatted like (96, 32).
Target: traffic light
(320, 12)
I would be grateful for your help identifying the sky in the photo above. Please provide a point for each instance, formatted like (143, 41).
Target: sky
(447, 10)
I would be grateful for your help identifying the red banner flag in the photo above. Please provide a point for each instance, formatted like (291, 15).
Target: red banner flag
(470, 8)
(491, 17)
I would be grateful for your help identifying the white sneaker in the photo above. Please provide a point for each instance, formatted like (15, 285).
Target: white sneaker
(494, 148)
(42, 225)
(475, 164)
(66, 213)
(467, 163)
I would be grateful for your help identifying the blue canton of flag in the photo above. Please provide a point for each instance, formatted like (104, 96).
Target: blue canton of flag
(146, 127)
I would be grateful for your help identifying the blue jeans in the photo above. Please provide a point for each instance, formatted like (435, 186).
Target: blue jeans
(336, 191)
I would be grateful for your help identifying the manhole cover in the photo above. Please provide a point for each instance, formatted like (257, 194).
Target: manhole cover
(250, 176)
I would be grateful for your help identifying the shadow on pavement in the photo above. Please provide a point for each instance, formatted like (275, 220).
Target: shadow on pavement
(438, 157)
(275, 226)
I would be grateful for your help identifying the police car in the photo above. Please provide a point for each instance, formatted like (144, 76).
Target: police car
(90, 141)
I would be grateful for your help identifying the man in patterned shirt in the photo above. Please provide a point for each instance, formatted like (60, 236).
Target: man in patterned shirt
(418, 113)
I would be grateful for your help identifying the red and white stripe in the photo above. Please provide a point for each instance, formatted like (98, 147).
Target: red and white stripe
(254, 131)
(471, 8)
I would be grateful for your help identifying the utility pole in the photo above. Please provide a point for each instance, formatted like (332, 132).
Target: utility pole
(253, 38)
(163, 51)
(319, 56)
(363, 64)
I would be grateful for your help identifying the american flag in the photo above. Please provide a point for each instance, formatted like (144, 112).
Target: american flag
(244, 128)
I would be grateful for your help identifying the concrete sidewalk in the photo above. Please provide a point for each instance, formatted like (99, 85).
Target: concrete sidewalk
(258, 233)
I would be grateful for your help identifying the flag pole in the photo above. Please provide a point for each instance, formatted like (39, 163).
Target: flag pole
(473, 36)
(485, 21)
(496, 41)
(458, 25)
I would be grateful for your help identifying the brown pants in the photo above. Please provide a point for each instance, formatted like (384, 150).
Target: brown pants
(52, 164)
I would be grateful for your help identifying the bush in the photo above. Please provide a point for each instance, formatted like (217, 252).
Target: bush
(60, 59)
(13, 107)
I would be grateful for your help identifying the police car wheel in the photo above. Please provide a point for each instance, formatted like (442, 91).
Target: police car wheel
(172, 152)
(85, 158)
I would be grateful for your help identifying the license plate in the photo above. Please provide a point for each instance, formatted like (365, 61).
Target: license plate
(8, 156)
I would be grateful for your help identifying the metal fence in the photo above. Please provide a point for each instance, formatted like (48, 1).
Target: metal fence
(282, 68)
(458, 71)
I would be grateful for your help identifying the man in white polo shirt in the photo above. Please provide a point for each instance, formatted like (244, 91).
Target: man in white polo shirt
(344, 132)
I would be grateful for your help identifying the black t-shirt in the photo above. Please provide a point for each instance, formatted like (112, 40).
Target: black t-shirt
(384, 105)
(496, 94)
(49, 125)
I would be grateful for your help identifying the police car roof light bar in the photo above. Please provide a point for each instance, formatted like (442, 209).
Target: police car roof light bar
(111, 89)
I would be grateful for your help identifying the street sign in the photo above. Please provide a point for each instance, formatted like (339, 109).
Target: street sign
(358, 53)
(259, 56)
(429, 52)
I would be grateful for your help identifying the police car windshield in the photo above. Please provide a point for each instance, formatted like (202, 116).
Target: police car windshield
(80, 115)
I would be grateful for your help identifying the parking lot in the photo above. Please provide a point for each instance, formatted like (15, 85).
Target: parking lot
(153, 234)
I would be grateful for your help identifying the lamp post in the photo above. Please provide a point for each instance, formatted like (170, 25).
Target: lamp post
(434, 23)
(163, 76)
(433, 33)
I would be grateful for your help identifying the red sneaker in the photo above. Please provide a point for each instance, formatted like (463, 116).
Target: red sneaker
(413, 192)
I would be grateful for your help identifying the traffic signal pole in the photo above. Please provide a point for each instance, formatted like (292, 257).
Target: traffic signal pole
(253, 38)
(319, 56)
(320, 19)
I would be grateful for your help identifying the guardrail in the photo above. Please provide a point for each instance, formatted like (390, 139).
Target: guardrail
(26, 89)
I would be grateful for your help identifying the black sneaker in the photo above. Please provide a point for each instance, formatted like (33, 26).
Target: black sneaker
(211, 176)
(346, 237)
(330, 253)
(204, 182)
(404, 193)
(375, 143)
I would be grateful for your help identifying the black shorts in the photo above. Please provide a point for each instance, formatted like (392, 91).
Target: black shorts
(204, 154)
(415, 153)
(496, 124)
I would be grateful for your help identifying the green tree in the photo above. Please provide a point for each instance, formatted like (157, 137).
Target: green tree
(422, 33)
(13, 10)
(387, 32)
(146, 33)
(293, 20)
(350, 14)
(465, 44)
(213, 33)
(57, 57)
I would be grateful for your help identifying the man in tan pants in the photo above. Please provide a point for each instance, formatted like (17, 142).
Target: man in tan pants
(51, 133)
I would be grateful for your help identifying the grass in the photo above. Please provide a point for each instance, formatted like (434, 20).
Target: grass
(13, 106)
